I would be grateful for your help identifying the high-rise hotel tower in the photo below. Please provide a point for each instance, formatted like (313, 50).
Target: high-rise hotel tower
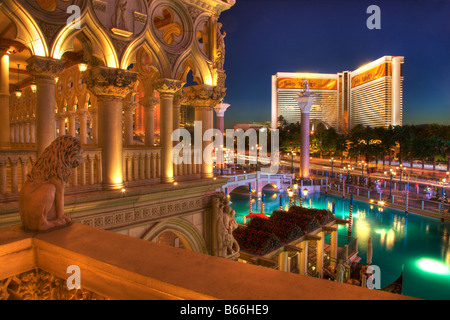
(371, 95)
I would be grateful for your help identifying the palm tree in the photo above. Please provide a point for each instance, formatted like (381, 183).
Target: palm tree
(403, 136)
(341, 146)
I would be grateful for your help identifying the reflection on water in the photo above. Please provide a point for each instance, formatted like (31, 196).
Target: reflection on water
(398, 240)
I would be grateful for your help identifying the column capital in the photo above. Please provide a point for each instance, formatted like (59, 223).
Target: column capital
(130, 106)
(305, 102)
(167, 86)
(46, 68)
(109, 82)
(220, 109)
(203, 95)
(82, 113)
(150, 102)
(179, 99)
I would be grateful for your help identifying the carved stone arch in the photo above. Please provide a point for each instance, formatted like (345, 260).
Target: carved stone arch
(200, 69)
(202, 29)
(146, 44)
(190, 236)
(28, 32)
(102, 47)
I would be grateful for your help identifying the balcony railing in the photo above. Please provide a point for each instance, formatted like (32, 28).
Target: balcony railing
(141, 166)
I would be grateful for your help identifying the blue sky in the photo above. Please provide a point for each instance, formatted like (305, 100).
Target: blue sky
(264, 37)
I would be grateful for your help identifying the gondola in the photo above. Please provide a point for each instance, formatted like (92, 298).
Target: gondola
(396, 286)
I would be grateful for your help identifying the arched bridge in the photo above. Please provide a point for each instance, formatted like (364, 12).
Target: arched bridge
(258, 181)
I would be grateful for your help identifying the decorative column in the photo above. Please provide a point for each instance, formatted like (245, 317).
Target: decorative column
(167, 89)
(110, 86)
(149, 120)
(32, 130)
(177, 101)
(203, 98)
(94, 114)
(72, 129)
(305, 101)
(62, 124)
(5, 133)
(220, 112)
(128, 121)
(45, 70)
(82, 115)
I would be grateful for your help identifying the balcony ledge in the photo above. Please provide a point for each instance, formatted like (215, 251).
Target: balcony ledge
(121, 267)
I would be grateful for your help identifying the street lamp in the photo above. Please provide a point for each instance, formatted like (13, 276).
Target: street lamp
(391, 173)
(363, 165)
(401, 171)
(295, 186)
(332, 164)
(292, 161)
(305, 192)
(290, 194)
(348, 169)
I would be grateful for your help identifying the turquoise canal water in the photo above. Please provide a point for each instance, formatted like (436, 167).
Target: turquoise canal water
(420, 244)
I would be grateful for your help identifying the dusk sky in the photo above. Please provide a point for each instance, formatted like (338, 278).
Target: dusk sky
(264, 37)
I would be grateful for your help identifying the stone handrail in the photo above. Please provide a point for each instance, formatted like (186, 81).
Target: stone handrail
(112, 266)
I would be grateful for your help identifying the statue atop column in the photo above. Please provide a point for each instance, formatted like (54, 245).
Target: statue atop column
(305, 92)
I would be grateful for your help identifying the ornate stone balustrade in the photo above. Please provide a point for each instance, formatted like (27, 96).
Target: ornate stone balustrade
(14, 166)
(141, 165)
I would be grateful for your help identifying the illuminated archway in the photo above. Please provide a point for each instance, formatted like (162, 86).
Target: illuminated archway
(101, 45)
(28, 31)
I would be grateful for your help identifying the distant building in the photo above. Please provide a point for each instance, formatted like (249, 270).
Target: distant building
(252, 125)
(371, 95)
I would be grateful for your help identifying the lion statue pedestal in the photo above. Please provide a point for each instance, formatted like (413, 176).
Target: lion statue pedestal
(41, 199)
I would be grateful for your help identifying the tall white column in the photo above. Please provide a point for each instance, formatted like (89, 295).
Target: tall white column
(167, 89)
(45, 71)
(305, 101)
(220, 113)
(102, 81)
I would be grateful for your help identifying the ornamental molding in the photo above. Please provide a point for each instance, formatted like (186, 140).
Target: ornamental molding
(104, 81)
(167, 86)
(45, 67)
(204, 95)
(49, 30)
(41, 285)
(146, 214)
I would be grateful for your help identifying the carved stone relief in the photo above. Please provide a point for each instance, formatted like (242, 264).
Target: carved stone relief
(41, 285)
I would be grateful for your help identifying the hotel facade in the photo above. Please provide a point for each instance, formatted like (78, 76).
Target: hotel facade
(371, 95)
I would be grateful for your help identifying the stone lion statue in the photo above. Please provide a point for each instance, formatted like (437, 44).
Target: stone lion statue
(41, 199)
